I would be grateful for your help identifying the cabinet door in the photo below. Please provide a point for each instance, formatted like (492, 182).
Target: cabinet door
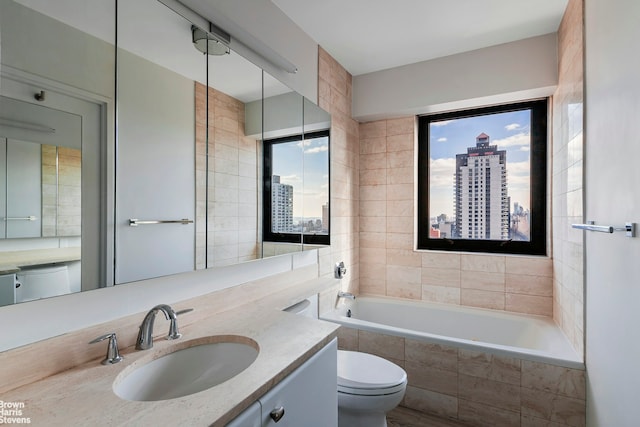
(7, 289)
(308, 396)
(250, 417)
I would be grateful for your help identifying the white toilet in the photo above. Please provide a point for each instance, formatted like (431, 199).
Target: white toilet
(368, 387)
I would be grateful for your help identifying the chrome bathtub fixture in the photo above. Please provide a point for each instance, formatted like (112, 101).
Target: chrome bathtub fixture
(347, 295)
(340, 270)
(113, 355)
(145, 335)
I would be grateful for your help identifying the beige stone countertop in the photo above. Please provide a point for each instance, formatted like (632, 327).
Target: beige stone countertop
(10, 262)
(83, 396)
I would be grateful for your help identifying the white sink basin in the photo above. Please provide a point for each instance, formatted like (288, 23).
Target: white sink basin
(196, 366)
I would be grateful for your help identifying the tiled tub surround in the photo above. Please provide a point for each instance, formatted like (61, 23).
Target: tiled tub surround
(524, 336)
(568, 187)
(389, 263)
(478, 386)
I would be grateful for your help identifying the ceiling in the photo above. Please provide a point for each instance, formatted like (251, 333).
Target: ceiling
(371, 35)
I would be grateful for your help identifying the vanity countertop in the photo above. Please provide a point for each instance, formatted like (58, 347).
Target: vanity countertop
(12, 261)
(84, 396)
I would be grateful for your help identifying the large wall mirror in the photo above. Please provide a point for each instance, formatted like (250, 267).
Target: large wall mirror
(147, 154)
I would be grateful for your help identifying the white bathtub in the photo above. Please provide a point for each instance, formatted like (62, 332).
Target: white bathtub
(522, 336)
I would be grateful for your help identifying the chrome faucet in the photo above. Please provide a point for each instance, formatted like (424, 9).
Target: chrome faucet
(145, 336)
(347, 295)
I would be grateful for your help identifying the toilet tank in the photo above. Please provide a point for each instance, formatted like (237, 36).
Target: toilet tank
(42, 282)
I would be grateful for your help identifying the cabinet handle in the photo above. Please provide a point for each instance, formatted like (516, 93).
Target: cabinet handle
(277, 414)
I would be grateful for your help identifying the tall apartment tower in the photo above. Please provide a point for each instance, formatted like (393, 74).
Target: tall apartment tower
(281, 206)
(481, 200)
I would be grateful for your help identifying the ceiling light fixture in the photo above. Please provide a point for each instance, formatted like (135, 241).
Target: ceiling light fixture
(207, 43)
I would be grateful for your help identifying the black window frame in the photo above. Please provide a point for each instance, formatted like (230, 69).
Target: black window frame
(301, 238)
(537, 245)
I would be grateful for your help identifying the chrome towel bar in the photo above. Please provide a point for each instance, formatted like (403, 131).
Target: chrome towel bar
(629, 228)
(134, 222)
(23, 218)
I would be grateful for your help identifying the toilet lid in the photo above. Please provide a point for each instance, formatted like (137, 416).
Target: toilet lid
(363, 373)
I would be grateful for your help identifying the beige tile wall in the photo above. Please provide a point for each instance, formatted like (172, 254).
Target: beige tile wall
(334, 96)
(390, 266)
(478, 388)
(568, 243)
(69, 191)
(61, 191)
(49, 190)
(233, 234)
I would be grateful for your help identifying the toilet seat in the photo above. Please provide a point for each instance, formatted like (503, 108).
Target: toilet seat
(368, 375)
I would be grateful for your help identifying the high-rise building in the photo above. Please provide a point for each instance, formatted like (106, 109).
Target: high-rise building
(281, 206)
(481, 200)
(325, 217)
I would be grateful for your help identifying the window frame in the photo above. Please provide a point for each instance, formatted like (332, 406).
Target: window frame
(267, 153)
(537, 245)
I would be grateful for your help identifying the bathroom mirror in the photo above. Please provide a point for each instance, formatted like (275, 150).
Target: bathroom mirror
(57, 64)
(179, 151)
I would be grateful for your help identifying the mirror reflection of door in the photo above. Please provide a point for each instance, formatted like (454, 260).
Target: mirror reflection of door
(43, 147)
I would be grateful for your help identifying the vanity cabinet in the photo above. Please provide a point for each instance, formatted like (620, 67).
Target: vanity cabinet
(250, 417)
(7, 289)
(307, 397)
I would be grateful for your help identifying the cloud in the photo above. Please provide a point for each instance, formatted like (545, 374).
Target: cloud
(443, 139)
(441, 172)
(517, 140)
(518, 169)
(512, 126)
(290, 179)
(441, 123)
(316, 150)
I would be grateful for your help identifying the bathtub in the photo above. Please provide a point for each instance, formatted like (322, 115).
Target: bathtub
(521, 336)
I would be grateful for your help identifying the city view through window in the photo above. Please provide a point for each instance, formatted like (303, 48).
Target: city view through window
(479, 177)
(300, 186)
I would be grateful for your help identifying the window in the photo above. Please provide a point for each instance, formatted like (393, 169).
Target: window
(504, 148)
(296, 189)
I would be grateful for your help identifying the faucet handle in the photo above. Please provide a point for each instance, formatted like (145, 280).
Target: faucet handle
(186, 310)
(173, 327)
(113, 355)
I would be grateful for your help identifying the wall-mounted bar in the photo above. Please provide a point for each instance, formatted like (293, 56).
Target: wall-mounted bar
(134, 222)
(629, 228)
(23, 218)
(25, 125)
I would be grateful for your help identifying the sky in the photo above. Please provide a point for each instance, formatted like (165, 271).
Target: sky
(310, 168)
(509, 131)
